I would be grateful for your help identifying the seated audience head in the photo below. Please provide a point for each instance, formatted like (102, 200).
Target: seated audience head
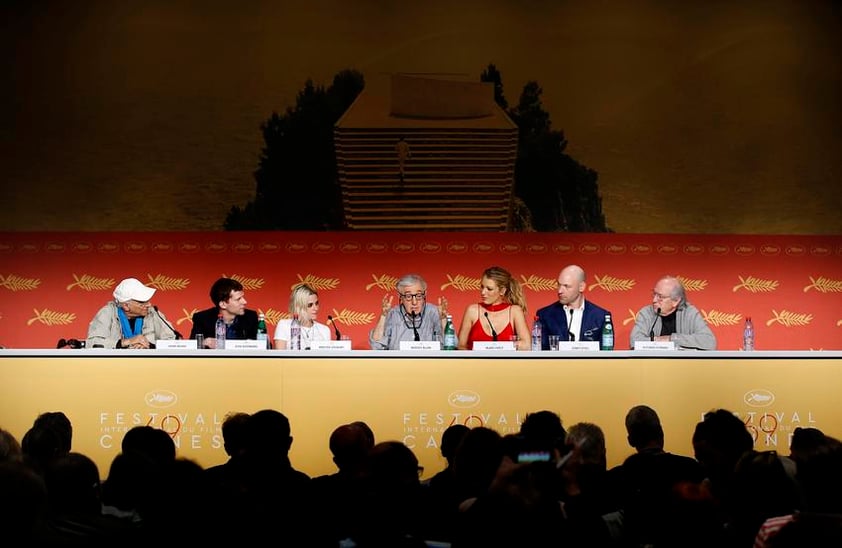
(643, 428)
(588, 441)
(477, 459)
(9, 447)
(73, 485)
(719, 441)
(450, 440)
(48, 438)
(269, 434)
(151, 443)
(349, 444)
(545, 427)
(235, 433)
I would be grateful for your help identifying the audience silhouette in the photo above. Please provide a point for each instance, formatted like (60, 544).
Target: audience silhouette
(487, 495)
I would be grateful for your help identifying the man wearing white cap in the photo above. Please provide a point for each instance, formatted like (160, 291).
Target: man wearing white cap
(126, 322)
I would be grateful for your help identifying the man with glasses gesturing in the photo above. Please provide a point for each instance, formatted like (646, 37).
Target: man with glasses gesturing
(412, 319)
(671, 318)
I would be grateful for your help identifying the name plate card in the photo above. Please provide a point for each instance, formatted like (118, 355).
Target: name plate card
(420, 345)
(494, 345)
(341, 345)
(654, 345)
(245, 344)
(176, 344)
(579, 346)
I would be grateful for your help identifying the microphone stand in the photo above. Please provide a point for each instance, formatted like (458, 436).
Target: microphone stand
(493, 333)
(652, 329)
(335, 329)
(414, 329)
(178, 335)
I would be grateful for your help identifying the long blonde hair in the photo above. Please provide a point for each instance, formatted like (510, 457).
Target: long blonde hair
(504, 280)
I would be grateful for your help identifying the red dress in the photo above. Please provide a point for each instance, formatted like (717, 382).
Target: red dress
(478, 334)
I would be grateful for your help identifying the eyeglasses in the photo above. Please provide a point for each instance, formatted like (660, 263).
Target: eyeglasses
(141, 303)
(659, 297)
(409, 297)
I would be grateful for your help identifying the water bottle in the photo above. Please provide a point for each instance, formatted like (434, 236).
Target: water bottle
(748, 335)
(295, 333)
(220, 332)
(536, 334)
(450, 340)
(262, 335)
(606, 341)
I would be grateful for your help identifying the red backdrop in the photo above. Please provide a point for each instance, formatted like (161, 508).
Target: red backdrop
(53, 283)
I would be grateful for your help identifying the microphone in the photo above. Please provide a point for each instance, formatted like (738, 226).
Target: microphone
(493, 333)
(414, 329)
(178, 335)
(652, 329)
(335, 329)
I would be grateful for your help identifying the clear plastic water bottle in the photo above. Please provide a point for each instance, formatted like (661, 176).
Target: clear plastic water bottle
(262, 335)
(295, 333)
(606, 341)
(748, 335)
(220, 332)
(537, 334)
(450, 340)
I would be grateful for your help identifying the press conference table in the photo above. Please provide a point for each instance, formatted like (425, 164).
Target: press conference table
(411, 396)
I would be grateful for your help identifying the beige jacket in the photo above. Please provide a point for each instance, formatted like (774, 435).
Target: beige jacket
(105, 331)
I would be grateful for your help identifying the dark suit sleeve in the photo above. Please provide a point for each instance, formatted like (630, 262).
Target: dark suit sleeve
(204, 323)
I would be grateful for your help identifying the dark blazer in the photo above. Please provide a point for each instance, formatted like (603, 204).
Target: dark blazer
(554, 322)
(204, 322)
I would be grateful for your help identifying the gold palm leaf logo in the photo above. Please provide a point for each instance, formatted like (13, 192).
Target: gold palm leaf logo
(462, 283)
(823, 285)
(631, 318)
(316, 283)
(611, 284)
(187, 317)
(692, 285)
(790, 319)
(717, 318)
(50, 317)
(273, 316)
(166, 283)
(248, 283)
(537, 283)
(349, 317)
(384, 282)
(755, 285)
(91, 283)
(18, 283)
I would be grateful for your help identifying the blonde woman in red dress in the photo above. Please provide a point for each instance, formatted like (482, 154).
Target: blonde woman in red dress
(500, 315)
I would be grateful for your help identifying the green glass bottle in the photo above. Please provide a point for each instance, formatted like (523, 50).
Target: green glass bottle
(606, 341)
(450, 340)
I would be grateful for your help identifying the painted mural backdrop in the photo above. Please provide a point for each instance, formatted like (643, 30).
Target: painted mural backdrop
(53, 283)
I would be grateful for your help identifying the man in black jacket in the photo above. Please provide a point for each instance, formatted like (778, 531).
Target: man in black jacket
(228, 298)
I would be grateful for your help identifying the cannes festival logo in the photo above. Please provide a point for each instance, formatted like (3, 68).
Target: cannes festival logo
(160, 399)
(463, 399)
(759, 398)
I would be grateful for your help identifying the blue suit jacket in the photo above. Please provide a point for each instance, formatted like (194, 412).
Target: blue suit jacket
(554, 322)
